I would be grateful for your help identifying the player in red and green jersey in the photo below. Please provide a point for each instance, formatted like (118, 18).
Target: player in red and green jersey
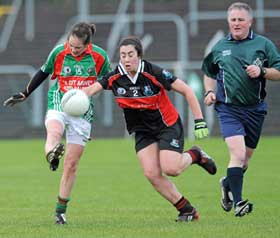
(75, 64)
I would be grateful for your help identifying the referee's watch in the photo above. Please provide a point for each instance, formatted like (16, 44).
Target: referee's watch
(262, 72)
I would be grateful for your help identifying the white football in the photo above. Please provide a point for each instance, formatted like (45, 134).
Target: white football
(75, 103)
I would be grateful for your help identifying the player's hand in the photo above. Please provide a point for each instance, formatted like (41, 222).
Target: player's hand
(11, 101)
(200, 129)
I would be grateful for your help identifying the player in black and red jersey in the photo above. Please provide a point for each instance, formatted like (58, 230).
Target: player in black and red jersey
(140, 89)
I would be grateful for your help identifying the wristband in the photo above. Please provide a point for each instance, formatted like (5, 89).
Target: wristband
(262, 71)
(209, 91)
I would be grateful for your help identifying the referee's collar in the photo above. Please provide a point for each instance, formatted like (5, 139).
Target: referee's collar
(250, 36)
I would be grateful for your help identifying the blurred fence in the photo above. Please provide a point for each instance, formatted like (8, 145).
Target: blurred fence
(175, 36)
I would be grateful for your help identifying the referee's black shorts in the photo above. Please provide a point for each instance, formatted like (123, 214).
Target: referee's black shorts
(242, 120)
(168, 138)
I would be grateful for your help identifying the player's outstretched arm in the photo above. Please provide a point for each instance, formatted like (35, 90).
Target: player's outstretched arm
(11, 101)
(37, 79)
(93, 89)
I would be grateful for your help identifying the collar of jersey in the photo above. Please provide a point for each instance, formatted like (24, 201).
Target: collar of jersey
(249, 37)
(68, 51)
(139, 70)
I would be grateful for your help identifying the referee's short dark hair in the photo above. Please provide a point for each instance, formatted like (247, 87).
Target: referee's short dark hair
(135, 41)
(240, 6)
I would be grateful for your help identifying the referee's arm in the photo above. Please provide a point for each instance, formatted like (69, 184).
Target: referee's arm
(209, 86)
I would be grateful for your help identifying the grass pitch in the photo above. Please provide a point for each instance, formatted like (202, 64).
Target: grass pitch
(111, 197)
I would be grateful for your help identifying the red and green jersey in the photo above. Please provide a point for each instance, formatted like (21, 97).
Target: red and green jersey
(74, 72)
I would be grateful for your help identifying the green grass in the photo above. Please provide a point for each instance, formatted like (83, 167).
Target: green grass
(112, 198)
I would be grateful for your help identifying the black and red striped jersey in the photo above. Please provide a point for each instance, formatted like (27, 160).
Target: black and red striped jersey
(143, 98)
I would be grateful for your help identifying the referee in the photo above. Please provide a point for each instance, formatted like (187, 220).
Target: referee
(236, 71)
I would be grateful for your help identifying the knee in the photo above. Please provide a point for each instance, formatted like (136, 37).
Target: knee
(238, 155)
(54, 132)
(240, 158)
(171, 171)
(70, 165)
(152, 176)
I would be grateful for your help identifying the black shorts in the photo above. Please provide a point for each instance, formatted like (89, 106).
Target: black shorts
(168, 138)
(245, 121)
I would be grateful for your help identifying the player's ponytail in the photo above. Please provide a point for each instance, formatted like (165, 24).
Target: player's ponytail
(83, 31)
(93, 29)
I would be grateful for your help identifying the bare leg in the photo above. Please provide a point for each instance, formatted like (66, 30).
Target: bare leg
(72, 158)
(150, 163)
(54, 134)
(249, 154)
(71, 162)
(173, 163)
(237, 150)
(153, 162)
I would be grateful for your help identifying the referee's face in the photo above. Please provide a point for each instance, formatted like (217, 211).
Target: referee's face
(239, 21)
(129, 58)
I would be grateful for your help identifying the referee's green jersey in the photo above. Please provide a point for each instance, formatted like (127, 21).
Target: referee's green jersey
(227, 62)
(74, 72)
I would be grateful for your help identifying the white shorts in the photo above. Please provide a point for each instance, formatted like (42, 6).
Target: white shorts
(77, 129)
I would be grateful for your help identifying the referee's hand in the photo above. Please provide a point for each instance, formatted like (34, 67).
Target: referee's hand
(210, 98)
(11, 101)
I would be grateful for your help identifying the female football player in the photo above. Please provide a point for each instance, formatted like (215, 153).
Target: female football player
(75, 64)
(140, 89)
